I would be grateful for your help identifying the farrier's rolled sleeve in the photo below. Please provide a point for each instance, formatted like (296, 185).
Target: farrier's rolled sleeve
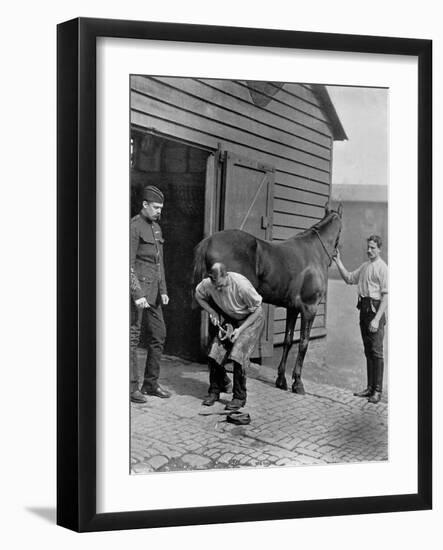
(251, 298)
(200, 291)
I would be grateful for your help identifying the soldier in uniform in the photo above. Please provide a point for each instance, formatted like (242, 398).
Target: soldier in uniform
(149, 294)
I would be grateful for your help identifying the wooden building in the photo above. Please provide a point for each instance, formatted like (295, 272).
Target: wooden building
(229, 154)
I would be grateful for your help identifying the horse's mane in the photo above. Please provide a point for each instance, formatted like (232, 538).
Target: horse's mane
(319, 225)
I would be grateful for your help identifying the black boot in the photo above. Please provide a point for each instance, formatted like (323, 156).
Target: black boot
(379, 364)
(210, 399)
(370, 376)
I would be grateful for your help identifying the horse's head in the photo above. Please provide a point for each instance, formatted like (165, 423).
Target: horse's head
(333, 222)
(329, 210)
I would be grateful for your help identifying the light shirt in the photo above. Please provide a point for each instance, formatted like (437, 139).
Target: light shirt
(371, 278)
(237, 299)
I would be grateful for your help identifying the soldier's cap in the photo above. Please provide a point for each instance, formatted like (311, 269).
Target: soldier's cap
(153, 194)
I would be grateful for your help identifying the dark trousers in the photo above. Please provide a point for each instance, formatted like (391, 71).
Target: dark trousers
(218, 380)
(151, 321)
(373, 343)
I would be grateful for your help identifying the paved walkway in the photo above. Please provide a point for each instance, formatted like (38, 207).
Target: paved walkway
(327, 425)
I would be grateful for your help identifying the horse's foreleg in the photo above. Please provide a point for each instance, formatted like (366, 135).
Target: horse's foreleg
(291, 318)
(307, 320)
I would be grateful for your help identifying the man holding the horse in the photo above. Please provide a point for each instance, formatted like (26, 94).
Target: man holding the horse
(149, 294)
(235, 309)
(372, 280)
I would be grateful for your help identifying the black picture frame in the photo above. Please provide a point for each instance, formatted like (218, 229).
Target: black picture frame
(76, 264)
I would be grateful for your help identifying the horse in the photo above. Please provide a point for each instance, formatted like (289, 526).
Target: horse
(292, 274)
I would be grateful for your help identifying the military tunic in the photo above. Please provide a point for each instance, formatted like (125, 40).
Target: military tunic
(147, 264)
(147, 279)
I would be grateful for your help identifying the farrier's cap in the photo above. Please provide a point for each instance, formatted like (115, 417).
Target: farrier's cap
(153, 194)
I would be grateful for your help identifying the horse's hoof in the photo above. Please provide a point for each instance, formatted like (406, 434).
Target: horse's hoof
(281, 384)
(298, 389)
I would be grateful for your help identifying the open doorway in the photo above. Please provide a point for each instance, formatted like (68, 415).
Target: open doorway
(179, 170)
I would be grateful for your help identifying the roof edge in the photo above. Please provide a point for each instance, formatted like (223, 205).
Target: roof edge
(320, 91)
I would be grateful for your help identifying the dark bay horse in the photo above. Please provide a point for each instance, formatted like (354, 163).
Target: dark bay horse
(291, 274)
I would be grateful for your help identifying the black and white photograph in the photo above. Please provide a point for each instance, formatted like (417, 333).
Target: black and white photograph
(258, 274)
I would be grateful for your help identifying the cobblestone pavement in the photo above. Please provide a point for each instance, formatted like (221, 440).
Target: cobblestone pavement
(327, 425)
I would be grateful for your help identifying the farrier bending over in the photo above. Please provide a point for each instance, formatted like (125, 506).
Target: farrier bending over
(240, 305)
(372, 280)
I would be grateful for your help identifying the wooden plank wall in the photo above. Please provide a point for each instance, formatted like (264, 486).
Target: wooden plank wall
(291, 133)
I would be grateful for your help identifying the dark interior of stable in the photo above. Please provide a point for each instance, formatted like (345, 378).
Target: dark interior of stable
(179, 170)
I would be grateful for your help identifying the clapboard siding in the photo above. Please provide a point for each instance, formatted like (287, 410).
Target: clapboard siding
(300, 91)
(195, 129)
(279, 326)
(291, 133)
(283, 206)
(315, 333)
(296, 181)
(316, 128)
(290, 220)
(193, 95)
(222, 96)
(282, 96)
(301, 193)
(280, 312)
(282, 232)
(229, 129)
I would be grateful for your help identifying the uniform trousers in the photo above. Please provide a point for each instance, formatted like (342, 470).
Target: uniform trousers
(150, 321)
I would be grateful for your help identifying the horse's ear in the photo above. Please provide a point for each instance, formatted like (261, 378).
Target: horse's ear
(340, 209)
(327, 208)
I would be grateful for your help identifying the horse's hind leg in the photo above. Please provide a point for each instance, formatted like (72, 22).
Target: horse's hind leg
(291, 318)
(307, 319)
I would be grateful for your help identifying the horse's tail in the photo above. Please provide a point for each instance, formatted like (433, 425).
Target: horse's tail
(199, 270)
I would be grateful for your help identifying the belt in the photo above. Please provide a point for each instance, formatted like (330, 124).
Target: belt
(366, 303)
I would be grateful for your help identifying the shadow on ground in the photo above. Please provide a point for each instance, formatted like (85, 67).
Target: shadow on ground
(48, 514)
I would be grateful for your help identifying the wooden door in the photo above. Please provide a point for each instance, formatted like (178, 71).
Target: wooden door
(247, 204)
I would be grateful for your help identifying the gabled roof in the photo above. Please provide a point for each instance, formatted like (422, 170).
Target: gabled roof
(262, 92)
(338, 132)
